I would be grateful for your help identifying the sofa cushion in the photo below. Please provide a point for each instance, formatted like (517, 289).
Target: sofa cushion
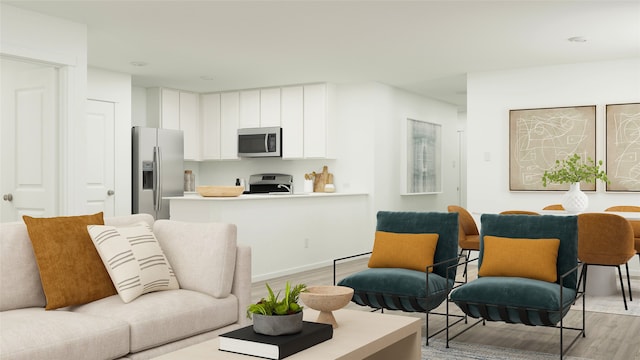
(19, 275)
(133, 258)
(407, 251)
(125, 220)
(34, 334)
(165, 316)
(70, 268)
(200, 251)
(528, 258)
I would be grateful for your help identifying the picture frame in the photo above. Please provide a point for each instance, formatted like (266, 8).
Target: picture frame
(421, 158)
(623, 147)
(539, 137)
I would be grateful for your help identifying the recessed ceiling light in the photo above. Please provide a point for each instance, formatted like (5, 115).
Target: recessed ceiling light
(579, 39)
(139, 63)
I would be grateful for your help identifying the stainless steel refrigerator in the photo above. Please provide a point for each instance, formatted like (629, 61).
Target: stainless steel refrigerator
(158, 169)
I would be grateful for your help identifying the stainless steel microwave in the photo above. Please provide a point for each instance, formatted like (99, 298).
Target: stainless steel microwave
(260, 142)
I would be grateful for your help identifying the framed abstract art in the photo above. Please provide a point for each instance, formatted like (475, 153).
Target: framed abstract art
(539, 137)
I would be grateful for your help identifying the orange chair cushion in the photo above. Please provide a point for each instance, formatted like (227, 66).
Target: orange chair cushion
(470, 242)
(605, 239)
(513, 257)
(71, 270)
(407, 251)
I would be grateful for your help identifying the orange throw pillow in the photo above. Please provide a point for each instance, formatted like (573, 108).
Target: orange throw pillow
(71, 270)
(407, 251)
(527, 258)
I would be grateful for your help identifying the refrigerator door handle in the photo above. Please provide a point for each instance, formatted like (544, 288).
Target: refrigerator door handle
(157, 185)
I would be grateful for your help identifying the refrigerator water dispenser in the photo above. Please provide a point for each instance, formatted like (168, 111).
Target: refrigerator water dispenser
(147, 175)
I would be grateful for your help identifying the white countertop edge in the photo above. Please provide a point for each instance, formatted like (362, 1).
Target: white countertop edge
(196, 197)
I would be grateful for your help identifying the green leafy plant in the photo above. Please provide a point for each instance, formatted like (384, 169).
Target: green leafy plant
(273, 306)
(572, 170)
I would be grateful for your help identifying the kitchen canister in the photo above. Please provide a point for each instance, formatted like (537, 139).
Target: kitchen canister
(308, 186)
(189, 181)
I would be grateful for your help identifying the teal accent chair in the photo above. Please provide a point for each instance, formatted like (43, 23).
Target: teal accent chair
(405, 289)
(523, 300)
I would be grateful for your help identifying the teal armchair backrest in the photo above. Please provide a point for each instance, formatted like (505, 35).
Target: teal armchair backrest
(443, 224)
(564, 228)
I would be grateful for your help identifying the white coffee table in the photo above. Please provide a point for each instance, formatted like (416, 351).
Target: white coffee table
(359, 335)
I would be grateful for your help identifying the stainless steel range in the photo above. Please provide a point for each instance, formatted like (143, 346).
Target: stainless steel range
(270, 184)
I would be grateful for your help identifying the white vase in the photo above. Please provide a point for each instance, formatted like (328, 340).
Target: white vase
(574, 200)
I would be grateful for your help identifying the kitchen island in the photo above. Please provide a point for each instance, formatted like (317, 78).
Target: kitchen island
(291, 232)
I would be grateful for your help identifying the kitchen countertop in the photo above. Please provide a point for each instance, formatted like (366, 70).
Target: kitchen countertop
(196, 197)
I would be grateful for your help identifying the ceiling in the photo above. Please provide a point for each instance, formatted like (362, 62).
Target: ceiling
(425, 47)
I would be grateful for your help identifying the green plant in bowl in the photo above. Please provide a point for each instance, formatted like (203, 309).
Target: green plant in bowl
(272, 305)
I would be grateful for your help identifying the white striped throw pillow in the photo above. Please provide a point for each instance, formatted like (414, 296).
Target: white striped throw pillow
(134, 260)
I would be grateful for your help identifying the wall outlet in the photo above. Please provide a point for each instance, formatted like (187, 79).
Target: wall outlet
(306, 243)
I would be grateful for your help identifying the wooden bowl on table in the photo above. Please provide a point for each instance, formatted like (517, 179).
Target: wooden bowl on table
(326, 299)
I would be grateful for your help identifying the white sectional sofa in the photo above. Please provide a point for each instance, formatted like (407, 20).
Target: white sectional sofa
(150, 325)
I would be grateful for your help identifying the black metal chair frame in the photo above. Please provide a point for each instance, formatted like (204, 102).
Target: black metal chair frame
(584, 285)
(524, 318)
(414, 301)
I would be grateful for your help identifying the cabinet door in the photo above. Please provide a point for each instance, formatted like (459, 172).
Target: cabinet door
(315, 121)
(170, 109)
(249, 109)
(210, 136)
(229, 119)
(292, 122)
(270, 107)
(189, 124)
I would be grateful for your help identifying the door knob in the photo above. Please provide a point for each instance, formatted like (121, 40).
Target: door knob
(7, 197)
(110, 192)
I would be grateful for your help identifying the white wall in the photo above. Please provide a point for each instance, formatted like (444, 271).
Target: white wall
(116, 88)
(32, 36)
(492, 94)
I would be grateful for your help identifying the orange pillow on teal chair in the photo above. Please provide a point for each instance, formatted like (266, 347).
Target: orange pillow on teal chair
(527, 258)
(403, 250)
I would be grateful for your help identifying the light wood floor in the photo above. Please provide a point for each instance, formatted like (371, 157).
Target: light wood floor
(608, 336)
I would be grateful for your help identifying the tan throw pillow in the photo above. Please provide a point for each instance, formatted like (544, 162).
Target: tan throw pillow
(134, 259)
(70, 268)
(527, 258)
(407, 251)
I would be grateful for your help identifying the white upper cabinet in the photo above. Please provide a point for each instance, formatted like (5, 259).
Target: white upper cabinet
(169, 109)
(177, 110)
(292, 112)
(270, 107)
(303, 112)
(315, 121)
(229, 123)
(249, 109)
(190, 125)
(210, 134)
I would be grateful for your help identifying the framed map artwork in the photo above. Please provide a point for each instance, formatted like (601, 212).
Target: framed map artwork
(539, 137)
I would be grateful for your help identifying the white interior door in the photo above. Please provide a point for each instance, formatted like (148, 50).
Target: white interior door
(100, 157)
(29, 160)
